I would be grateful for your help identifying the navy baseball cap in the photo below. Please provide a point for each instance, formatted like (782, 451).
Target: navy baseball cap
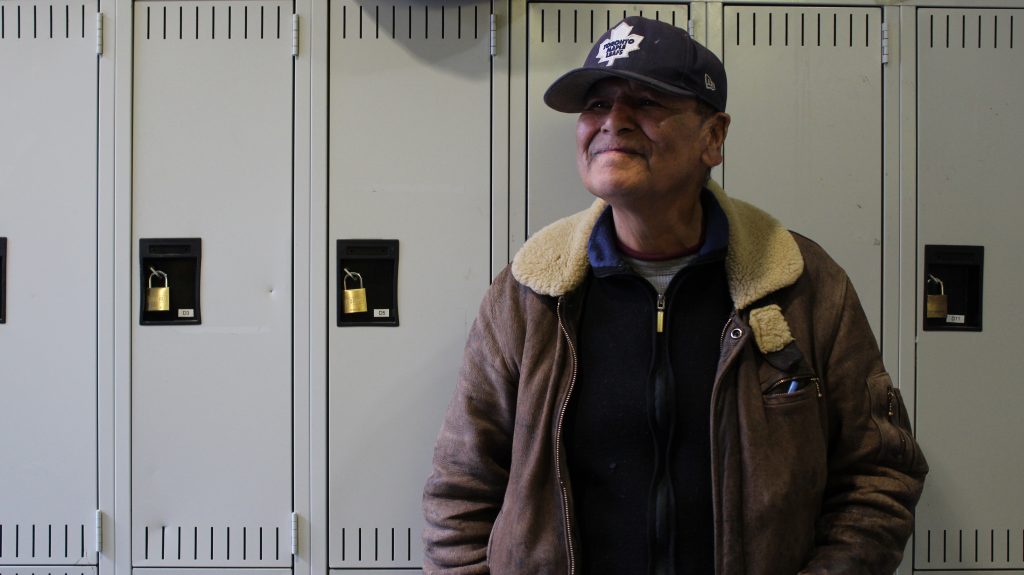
(654, 53)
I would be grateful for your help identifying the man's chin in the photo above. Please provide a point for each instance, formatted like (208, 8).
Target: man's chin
(615, 192)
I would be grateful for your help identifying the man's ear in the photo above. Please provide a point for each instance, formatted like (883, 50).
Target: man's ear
(716, 128)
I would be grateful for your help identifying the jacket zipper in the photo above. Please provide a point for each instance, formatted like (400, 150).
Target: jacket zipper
(891, 396)
(721, 340)
(661, 549)
(558, 443)
(661, 312)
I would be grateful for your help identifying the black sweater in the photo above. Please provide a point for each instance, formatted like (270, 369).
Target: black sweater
(637, 434)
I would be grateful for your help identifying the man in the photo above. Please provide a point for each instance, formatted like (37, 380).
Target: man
(669, 382)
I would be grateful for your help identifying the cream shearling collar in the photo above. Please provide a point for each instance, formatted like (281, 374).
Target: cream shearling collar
(763, 257)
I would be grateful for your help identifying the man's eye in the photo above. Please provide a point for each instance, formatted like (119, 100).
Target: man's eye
(596, 105)
(648, 102)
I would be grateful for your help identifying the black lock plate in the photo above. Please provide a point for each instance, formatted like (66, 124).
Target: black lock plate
(3, 280)
(180, 259)
(961, 270)
(377, 262)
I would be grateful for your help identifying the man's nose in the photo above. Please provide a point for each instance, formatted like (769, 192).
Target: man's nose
(620, 117)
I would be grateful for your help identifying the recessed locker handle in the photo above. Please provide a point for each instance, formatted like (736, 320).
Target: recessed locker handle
(3, 280)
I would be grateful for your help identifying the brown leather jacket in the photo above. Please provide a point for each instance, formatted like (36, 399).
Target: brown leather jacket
(823, 480)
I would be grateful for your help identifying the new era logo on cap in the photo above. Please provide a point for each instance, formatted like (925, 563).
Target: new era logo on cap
(709, 83)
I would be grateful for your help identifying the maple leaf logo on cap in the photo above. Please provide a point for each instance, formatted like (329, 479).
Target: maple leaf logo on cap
(619, 44)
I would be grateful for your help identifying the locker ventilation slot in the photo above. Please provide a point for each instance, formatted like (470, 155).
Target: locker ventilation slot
(38, 541)
(418, 21)
(980, 548)
(978, 30)
(376, 545)
(200, 22)
(833, 29)
(42, 21)
(585, 25)
(192, 543)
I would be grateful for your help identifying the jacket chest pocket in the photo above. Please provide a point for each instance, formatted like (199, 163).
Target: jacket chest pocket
(786, 389)
(787, 378)
(785, 447)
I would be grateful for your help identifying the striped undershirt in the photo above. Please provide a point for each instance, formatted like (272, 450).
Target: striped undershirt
(659, 273)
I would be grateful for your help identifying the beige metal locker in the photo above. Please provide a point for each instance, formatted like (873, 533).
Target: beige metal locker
(805, 96)
(48, 338)
(212, 401)
(970, 130)
(410, 118)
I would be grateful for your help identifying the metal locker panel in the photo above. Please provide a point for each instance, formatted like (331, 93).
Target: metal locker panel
(211, 403)
(408, 160)
(48, 345)
(559, 36)
(970, 81)
(805, 96)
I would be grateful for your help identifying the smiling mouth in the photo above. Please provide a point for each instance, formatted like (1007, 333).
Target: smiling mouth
(626, 151)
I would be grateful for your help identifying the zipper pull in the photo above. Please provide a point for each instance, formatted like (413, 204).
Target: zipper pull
(892, 398)
(661, 312)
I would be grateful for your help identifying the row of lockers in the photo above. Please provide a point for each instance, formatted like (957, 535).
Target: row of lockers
(255, 411)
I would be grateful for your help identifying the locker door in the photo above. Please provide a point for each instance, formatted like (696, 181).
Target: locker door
(48, 340)
(805, 96)
(970, 93)
(211, 402)
(559, 36)
(408, 160)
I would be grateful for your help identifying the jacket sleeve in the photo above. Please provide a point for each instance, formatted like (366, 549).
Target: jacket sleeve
(472, 455)
(876, 468)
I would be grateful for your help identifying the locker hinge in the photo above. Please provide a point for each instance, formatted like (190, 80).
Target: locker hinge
(885, 43)
(295, 533)
(690, 27)
(99, 33)
(494, 36)
(99, 532)
(295, 35)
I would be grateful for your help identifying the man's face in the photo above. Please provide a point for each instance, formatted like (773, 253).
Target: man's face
(638, 144)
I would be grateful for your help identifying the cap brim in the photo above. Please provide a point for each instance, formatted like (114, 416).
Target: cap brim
(568, 93)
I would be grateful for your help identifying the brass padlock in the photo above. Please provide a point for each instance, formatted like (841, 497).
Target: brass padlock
(355, 299)
(936, 304)
(158, 298)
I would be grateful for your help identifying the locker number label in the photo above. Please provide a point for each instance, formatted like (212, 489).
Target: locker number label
(954, 318)
(186, 313)
(381, 312)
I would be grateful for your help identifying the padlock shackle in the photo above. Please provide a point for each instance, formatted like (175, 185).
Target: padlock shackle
(155, 272)
(348, 274)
